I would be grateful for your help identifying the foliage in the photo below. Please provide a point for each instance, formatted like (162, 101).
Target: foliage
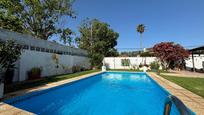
(125, 62)
(98, 39)
(146, 54)
(76, 69)
(142, 65)
(141, 29)
(113, 53)
(34, 73)
(7, 18)
(9, 53)
(154, 65)
(40, 18)
(136, 53)
(129, 54)
(170, 53)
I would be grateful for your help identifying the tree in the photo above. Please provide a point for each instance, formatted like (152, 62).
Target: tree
(40, 18)
(9, 53)
(7, 18)
(98, 39)
(170, 54)
(141, 29)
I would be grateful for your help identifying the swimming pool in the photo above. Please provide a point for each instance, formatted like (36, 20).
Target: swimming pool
(109, 93)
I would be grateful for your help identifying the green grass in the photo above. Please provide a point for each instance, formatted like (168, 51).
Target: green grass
(195, 85)
(43, 81)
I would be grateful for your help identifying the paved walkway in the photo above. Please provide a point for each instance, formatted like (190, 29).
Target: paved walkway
(6, 109)
(185, 74)
(191, 100)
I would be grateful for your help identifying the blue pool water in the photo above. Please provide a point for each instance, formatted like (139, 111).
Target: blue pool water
(110, 93)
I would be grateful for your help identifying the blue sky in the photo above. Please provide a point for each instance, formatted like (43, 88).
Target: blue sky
(180, 21)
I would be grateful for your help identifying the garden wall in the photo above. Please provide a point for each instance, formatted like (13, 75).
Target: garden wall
(116, 62)
(198, 62)
(39, 53)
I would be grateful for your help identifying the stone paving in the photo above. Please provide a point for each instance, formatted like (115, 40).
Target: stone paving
(6, 109)
(191, 100)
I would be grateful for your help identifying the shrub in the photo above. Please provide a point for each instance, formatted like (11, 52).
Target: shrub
(34, 73)
(146, 54)
(9, 53)
(76, 68)
(83, 68)
(125, 62)
(140, 65)
(154, 65)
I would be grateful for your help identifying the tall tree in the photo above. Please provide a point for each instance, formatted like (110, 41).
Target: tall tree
(40, 18)
(140, 30)
(170, 54)
(98, 39)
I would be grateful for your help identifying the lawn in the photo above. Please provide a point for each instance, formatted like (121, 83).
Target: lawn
(43, 81)
(195, 85)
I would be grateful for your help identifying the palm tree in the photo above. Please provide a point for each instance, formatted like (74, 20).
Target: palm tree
(141, 29)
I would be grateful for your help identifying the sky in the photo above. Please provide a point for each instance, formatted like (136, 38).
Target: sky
(179, 21)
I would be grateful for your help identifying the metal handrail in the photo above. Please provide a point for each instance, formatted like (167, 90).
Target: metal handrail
(171, 99)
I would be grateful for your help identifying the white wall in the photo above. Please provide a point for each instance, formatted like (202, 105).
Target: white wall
(38, 53)
(198, 61)
(115, 62)
(30, 59)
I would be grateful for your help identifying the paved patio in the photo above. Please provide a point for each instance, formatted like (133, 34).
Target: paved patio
(191, 100)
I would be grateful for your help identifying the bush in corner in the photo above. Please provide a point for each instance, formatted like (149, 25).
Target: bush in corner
(154, 66)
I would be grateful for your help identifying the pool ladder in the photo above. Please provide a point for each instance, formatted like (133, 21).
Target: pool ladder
(171, 99)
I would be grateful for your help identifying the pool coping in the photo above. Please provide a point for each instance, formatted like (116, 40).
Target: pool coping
(190, 99)
(7, 109)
